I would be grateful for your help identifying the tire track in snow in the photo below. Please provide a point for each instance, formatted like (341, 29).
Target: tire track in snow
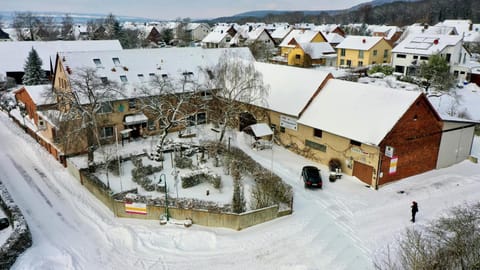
(32, 184)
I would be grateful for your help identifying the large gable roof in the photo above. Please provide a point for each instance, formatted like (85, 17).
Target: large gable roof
(357, 111)
(290, 88)
(301, 36)
(136, 65)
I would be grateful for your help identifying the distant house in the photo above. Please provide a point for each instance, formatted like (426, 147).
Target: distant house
(391, 33)
(260, 35)
(154, 35)
(220, 37)
(197, 31)
(334, 39)
(360, 51)
(14, 54)
(312, 54)
(411, 52)
(280, 32)
(330, 29)
(299, 36)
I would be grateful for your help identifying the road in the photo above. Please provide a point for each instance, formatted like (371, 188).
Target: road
(73, 230)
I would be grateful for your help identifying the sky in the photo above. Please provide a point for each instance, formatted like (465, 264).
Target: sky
(343, 226)
(166, 10)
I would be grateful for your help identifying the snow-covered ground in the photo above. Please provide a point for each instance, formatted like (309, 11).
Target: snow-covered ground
(343, 226)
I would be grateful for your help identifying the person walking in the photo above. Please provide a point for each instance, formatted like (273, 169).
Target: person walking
(414, 210)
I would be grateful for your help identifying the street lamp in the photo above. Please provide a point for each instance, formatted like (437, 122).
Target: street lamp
(166, 195)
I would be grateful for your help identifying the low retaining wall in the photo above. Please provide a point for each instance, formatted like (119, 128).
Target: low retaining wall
(20, 239)
(198, 216)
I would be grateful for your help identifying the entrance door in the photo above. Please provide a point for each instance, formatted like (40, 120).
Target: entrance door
(363, 172)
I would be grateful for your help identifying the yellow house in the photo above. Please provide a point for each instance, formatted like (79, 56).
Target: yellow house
(359, 51)
(310, 54)
(296, 37)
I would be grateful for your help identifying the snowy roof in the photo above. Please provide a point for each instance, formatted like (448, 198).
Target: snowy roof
(218, 34)
(290, 88)
(388, 30)
(326, 28)
(425, 44)
(317, 50)
(14, 54)
(462, 26)
(281, 32)
(357, 111)
(135, 66)
(301, 36)
(37, 93)
(261, 129)
(363, 43)
(334, 38)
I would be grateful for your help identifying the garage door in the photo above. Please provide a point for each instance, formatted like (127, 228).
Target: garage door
(363, 172)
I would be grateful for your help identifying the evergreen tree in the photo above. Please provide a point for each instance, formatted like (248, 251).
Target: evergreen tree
(34, 74)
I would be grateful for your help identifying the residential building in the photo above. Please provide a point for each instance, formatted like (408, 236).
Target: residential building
(197, 31)
(220, 37)
(361, 51)
(408, 54)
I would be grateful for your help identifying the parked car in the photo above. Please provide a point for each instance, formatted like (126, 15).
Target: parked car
(311, 176)
(4, 223)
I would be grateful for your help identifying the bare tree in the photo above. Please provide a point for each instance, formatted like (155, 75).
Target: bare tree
(172, 103)
(66, 31)
(451, 242)
(25, 25)
(89, 98)
(235, 83)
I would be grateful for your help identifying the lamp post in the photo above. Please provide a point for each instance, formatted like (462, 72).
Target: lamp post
(166, 195)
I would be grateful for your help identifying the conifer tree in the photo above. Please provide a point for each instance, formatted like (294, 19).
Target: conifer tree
(34, 74)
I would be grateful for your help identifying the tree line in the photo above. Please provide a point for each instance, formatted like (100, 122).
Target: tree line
(396, 13)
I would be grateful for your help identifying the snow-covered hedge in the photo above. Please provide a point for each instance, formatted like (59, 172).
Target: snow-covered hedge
(196, 177)
(20, 239)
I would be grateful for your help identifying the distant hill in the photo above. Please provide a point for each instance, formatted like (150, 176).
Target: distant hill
(263, 13)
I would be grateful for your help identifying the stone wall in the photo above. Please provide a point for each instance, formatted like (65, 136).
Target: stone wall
(20, 239)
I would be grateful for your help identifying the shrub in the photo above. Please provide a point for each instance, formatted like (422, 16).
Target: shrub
(385, 69)
(183, 162)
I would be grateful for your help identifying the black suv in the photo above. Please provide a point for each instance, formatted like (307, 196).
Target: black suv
(311, 176)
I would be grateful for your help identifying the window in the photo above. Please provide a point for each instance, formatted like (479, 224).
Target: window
(104, 80)
(385, 53)
(297, 56)
(360, 54)
(360, 63)
(132, 103)
(374, 52)
(105, 107)
(282, 129)
(423, 57)
(123, 78)
(342, 62)
(106, 132)
(447, 57)
(415, 57)
(317, 133)
(116, 61)
(349, 63)
(401, 56)
(201, 118)
(357, 143)
(141, 77)
(41, 124)
(317, 146)
(164, 76)
(400, 69)
(97, 62)
(151, 125)
(206, 95)
(342, 52)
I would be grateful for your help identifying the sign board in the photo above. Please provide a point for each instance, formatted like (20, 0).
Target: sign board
(136, 208)
(389, 151)
(288, 122)
(393, 165)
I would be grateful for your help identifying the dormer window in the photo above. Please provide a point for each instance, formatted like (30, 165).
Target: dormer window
(123, 78)
(104, 80)
(164, 76)
(116, 61)
(141, 77)
(152, 76)
(97, 62)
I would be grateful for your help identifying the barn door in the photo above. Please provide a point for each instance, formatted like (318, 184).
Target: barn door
(363, 172)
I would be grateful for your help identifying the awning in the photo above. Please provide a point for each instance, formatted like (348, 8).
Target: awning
(135, 119)
(261, 129)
